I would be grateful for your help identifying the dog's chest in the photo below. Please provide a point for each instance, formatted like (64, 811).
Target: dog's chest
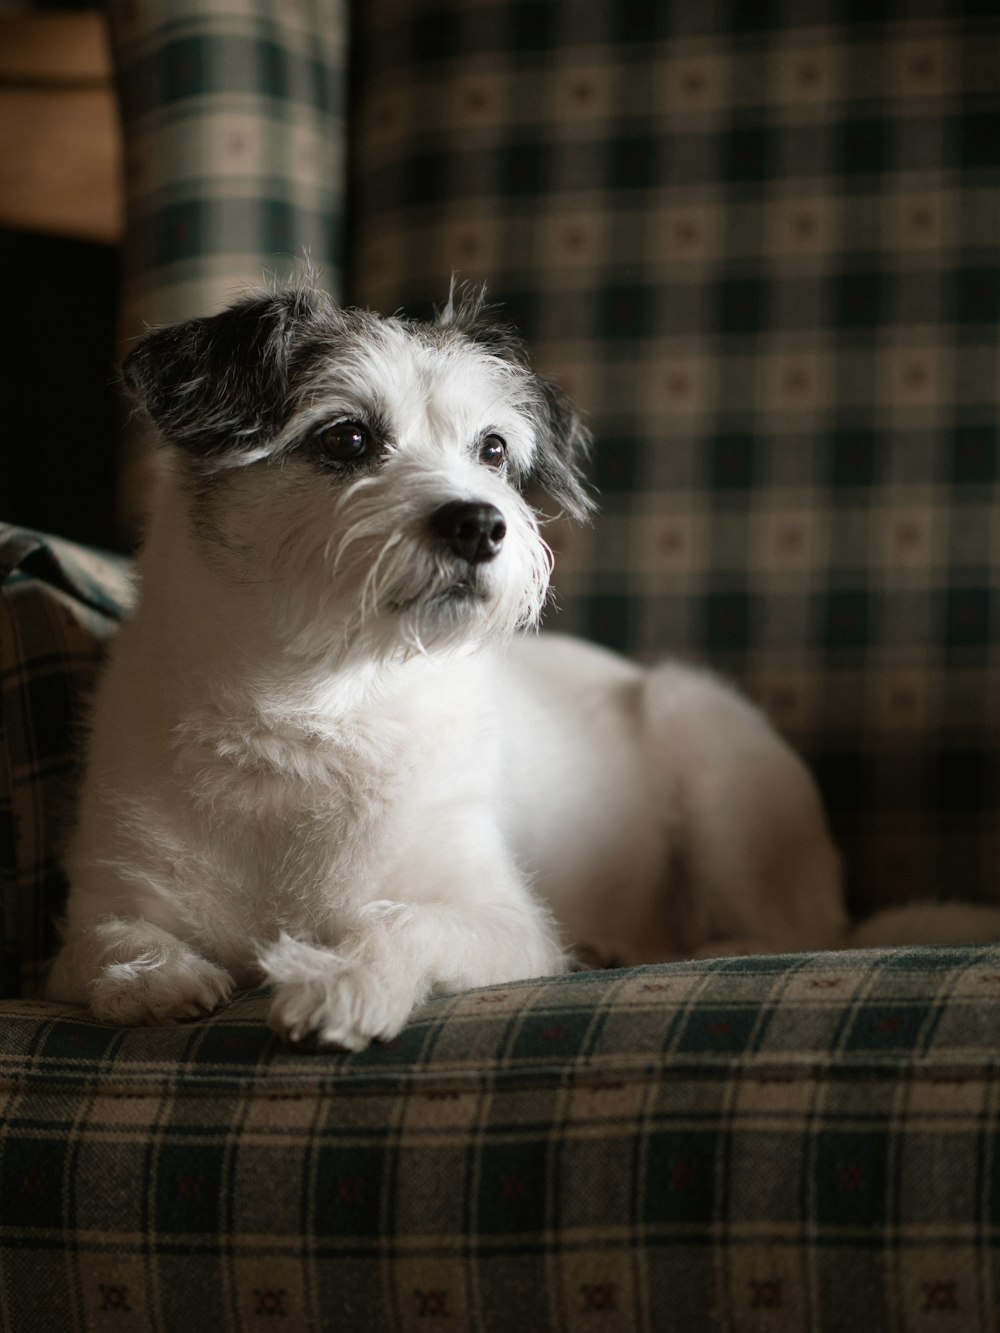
(316, 815)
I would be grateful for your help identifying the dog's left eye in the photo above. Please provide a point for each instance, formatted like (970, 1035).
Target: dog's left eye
(344, 442)
(493, 452)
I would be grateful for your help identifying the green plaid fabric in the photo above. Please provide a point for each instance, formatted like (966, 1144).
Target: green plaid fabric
(760, 242)
(59, 603)
(756, 1144)
(234, 148)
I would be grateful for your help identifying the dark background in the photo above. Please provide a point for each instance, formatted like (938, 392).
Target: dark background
(63, 410)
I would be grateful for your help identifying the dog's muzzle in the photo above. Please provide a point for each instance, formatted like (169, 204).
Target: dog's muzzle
(470, 529)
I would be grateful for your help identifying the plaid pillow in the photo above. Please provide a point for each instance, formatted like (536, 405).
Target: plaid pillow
(761, 244)
(59, 604)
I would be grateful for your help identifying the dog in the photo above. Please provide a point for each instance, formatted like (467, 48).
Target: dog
(325, 753)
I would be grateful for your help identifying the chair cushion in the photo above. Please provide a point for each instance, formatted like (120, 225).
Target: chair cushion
(59, 603)
(761, 243)
(797, 1142)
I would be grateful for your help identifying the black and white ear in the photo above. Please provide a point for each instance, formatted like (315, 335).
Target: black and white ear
(219, 385)
(562, 451)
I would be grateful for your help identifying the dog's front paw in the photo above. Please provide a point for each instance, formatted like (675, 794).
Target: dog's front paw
(344, 1011)
(177, 985)
(327, 1000)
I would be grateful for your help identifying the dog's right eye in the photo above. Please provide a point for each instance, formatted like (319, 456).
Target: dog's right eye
(343, 442)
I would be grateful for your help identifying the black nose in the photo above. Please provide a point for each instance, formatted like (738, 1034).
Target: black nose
(474, 531)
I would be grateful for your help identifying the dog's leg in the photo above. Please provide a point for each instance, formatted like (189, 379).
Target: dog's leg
(130, 971)
(400, 952)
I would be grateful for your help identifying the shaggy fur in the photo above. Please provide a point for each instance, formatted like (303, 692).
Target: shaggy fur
(321, 754)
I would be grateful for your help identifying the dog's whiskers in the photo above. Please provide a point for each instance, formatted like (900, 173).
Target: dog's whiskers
(371, 589)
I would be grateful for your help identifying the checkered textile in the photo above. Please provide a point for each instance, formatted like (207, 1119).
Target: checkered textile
(800, 1143)
(234, 136)
(59, 603)
(760, 242)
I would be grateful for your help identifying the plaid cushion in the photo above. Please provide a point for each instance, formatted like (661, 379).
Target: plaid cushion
(59, 603)
(783, 1143)
(761, 244)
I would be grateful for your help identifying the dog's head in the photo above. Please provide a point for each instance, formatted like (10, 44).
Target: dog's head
(365, 470)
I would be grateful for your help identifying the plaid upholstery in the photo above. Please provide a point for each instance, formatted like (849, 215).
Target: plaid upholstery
(761, 243)
(233, 130)
(233, 125)
(756, 1144)
(59, 603)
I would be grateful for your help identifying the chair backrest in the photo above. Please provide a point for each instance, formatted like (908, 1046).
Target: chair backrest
(761, 243)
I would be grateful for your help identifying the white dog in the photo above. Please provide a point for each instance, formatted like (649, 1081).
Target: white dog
(321, 756)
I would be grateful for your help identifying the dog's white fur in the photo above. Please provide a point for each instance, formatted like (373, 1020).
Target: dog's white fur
(322, 756)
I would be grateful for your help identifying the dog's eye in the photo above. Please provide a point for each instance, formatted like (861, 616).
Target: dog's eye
(344, 442)
(493, 452)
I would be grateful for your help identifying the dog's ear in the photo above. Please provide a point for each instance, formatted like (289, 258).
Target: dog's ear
(218, 385)
(563, 449)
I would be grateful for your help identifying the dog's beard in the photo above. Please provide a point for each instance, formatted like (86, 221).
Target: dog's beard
(416, 598)
(380, 588)
(453, 597)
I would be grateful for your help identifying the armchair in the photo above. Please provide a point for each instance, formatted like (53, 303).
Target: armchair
(763, 249)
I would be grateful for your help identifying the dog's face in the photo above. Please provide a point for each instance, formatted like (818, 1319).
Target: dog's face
(365, 471)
